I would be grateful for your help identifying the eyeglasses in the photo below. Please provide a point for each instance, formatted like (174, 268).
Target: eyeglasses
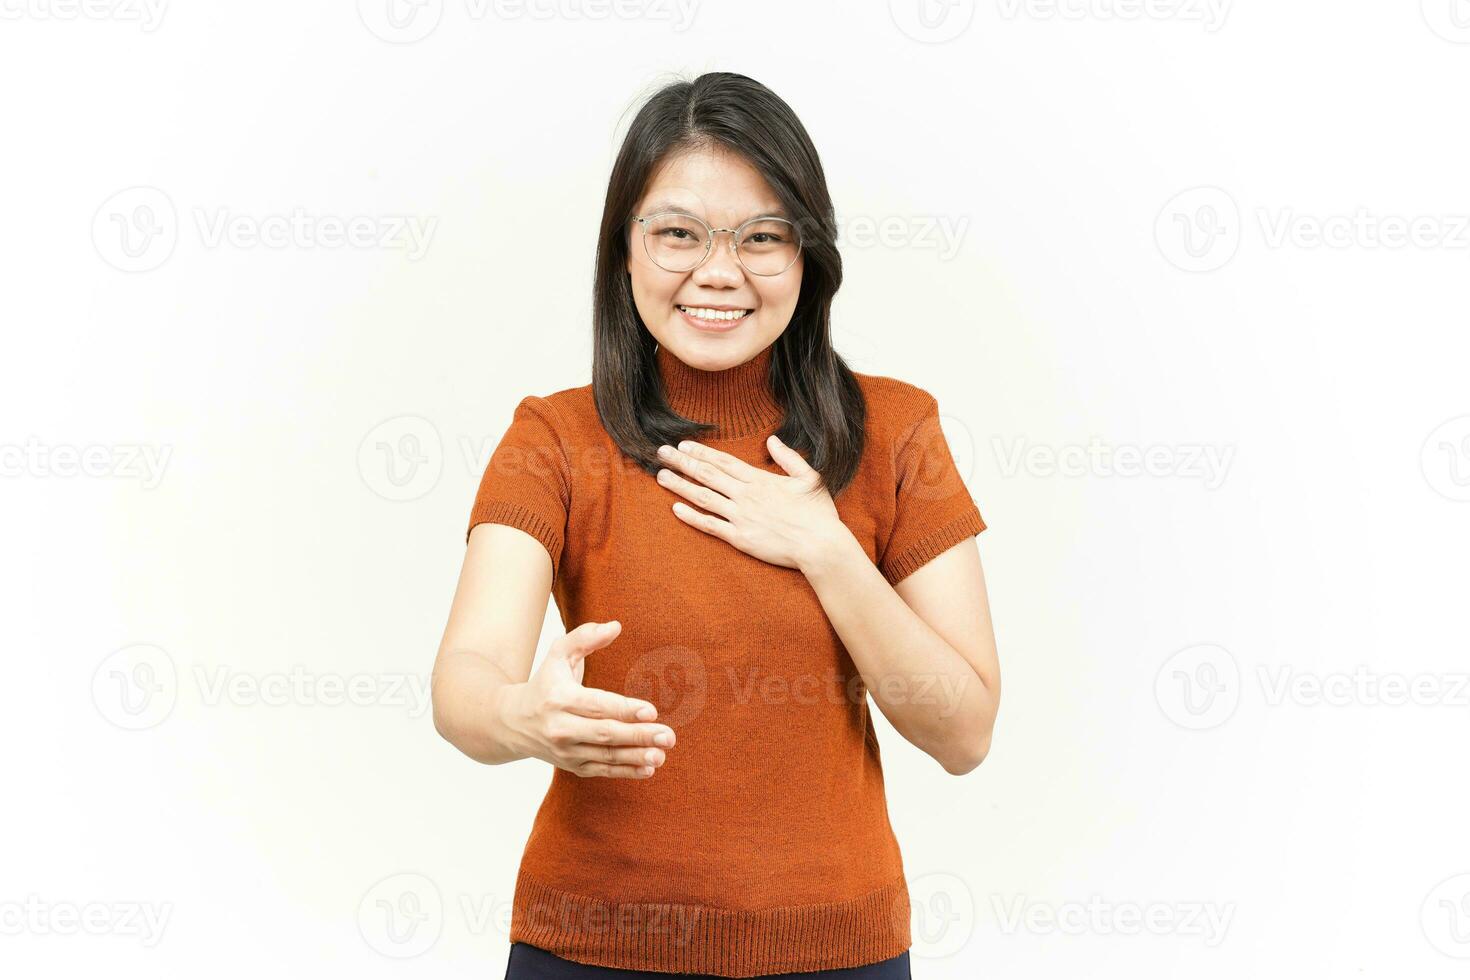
(680, 242)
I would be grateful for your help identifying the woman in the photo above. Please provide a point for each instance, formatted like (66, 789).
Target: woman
(745, 540)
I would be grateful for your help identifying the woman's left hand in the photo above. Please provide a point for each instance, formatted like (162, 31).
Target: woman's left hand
(783, 520)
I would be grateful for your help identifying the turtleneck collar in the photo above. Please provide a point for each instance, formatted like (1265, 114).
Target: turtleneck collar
(738, 399)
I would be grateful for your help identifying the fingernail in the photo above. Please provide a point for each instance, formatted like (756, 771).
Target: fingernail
(651, 756)
(647, 713)
(646, 771)
(664, 739)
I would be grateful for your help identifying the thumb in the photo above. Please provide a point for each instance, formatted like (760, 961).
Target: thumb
(789, 459)
(588, 637)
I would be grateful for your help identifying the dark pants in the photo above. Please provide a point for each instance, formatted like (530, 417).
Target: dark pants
(529, 962)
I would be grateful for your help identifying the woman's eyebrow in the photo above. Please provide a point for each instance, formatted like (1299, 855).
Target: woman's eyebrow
(655, 208)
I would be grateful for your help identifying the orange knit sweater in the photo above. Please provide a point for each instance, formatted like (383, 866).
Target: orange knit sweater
(762, 845)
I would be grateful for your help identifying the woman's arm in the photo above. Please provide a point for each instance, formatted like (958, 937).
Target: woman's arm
(490, 639)
(484, 703)
(925, 647)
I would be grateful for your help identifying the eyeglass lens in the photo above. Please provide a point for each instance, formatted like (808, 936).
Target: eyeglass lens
(677, 242)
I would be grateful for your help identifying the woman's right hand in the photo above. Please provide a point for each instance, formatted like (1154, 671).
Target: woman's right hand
(586, 731)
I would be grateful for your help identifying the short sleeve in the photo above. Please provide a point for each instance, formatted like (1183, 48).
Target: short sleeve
(933, 509)
(527, 483)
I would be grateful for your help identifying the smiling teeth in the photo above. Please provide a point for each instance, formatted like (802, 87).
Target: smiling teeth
(707, 314)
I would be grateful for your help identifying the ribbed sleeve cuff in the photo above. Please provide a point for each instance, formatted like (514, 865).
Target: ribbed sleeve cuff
(668, 938)
(515, 515)
(916, 555)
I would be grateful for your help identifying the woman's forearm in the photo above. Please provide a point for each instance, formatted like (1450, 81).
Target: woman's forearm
(925, 687)
(469, 694)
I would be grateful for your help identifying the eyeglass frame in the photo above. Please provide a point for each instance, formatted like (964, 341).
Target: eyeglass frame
(709, 242)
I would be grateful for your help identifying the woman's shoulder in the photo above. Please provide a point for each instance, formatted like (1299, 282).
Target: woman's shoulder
(885, 386)
(894, 406)
(566, 411)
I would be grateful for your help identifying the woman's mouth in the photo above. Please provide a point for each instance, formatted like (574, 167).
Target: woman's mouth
(706, 318)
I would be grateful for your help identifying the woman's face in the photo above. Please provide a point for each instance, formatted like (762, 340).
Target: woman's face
(724, 190)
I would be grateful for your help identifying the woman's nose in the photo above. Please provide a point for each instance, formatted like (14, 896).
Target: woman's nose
(722, 266)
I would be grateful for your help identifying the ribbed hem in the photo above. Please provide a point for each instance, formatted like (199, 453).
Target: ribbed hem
(538, 527)
(932, 546)
(673, 938)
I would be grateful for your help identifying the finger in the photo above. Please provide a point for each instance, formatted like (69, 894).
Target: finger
(588, 637)
(614, 755)
(570, 729)
(733, 465)
(703, 496)
(697, 465)
(612, 772)
(788, 459)
(707, 523)
(591, 702)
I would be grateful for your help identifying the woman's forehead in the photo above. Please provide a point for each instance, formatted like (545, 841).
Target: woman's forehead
(714, 185)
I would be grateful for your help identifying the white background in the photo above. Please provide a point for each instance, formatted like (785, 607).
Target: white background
(1107, 230)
